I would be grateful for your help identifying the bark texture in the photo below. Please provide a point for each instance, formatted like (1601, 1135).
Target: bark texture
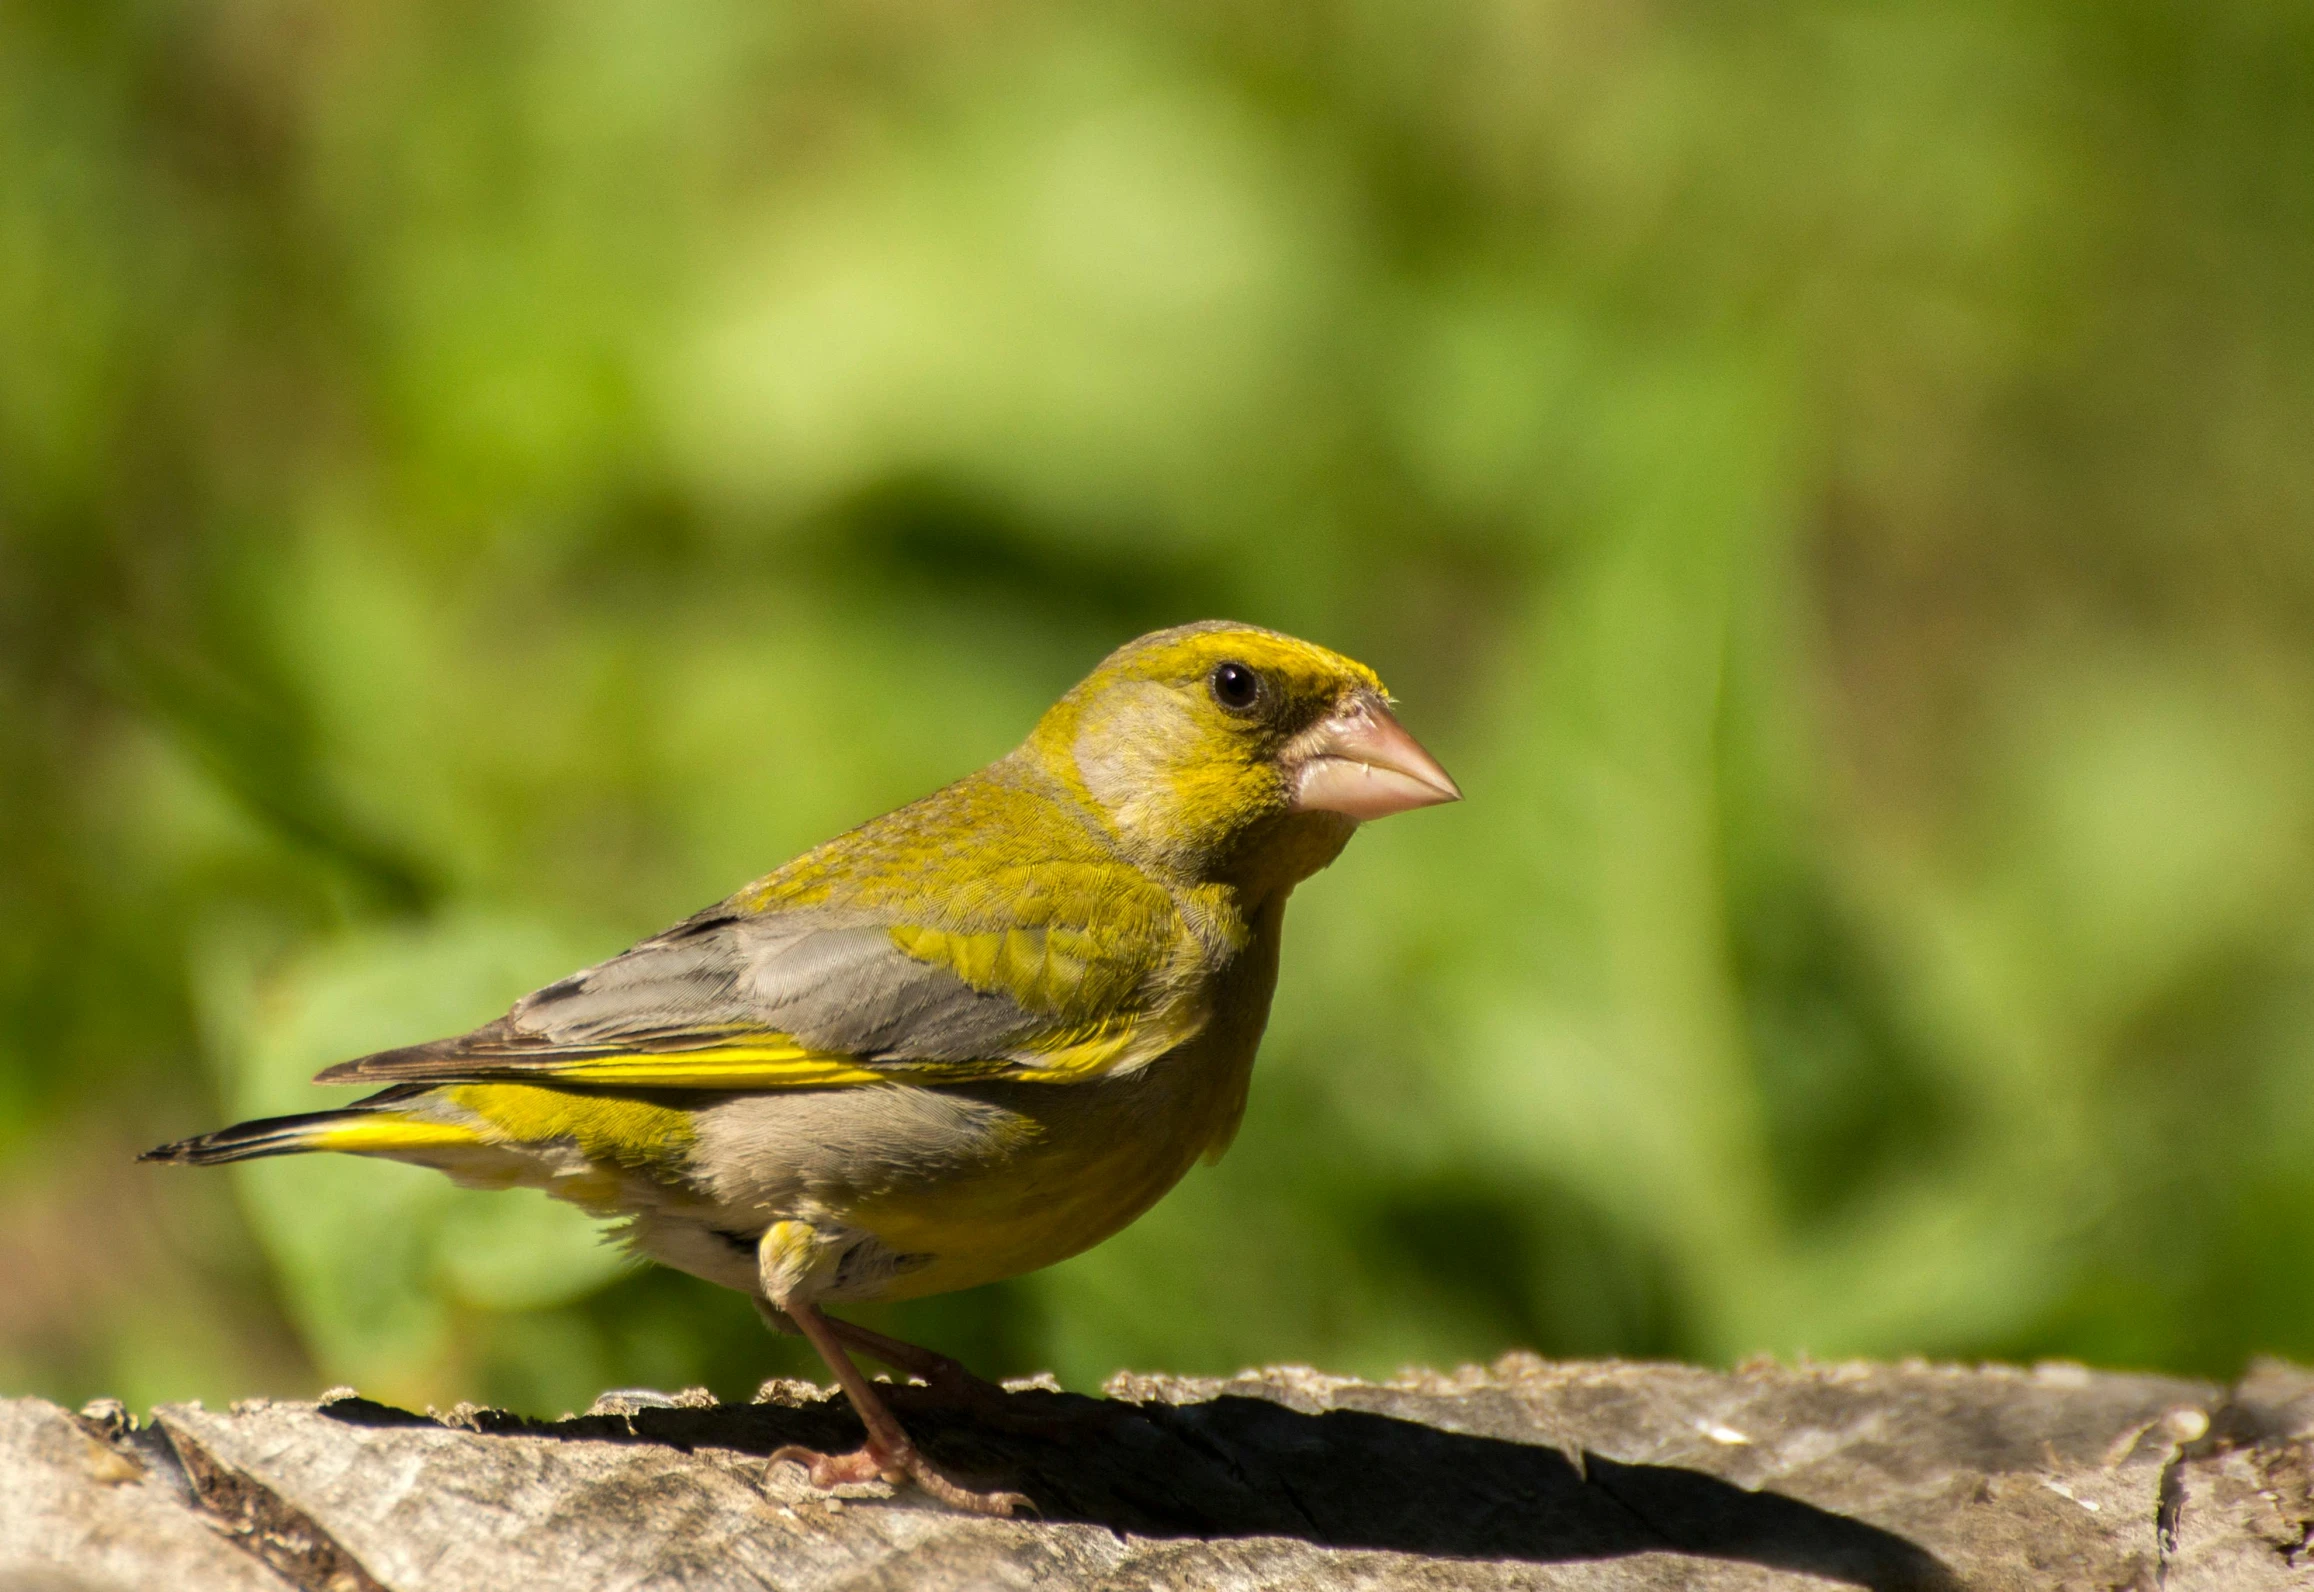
(1525, 1474)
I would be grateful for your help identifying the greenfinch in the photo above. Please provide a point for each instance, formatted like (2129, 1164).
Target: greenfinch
(963, 1041)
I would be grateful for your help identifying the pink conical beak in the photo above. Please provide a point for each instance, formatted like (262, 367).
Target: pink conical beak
(1359, 760)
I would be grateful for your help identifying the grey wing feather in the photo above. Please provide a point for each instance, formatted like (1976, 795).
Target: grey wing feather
(852, 991)
(833, 982)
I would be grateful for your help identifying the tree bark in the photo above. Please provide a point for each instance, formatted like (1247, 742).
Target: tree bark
(1525, 1474)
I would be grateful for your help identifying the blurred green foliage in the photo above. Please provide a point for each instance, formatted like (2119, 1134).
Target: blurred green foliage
(478, 481)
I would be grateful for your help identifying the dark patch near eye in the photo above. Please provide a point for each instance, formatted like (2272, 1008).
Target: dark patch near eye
(1236, 687)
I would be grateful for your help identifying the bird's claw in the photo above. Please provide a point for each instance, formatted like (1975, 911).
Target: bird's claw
(833, 1470)
(872, 1462)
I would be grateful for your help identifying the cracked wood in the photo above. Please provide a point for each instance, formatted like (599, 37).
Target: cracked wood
(1526, 1474)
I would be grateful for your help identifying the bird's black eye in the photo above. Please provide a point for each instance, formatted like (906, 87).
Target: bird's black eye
(1235, 687)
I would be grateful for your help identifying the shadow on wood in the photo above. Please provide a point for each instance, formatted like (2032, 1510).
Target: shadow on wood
(1236, 1467)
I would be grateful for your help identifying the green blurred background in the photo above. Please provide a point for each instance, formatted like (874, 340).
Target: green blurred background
(1835, 481)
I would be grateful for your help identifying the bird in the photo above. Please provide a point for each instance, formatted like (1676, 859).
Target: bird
(956, 1044)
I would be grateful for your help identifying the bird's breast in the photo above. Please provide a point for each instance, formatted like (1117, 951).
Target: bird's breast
(975, 1183)
(972, 1184)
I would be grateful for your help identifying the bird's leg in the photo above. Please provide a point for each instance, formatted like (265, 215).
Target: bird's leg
(794, 1259)
(887, 1454)
(944, 1378)
(947, 1382)
(947, 1378)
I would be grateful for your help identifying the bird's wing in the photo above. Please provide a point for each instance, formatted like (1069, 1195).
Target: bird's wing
(1075, 977)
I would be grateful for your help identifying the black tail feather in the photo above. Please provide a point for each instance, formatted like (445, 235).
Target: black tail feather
(249, 1141)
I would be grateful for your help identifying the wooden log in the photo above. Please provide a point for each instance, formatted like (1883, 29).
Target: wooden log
(1523, 1474)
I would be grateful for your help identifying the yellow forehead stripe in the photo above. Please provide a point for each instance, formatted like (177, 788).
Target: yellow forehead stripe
(1173, 654)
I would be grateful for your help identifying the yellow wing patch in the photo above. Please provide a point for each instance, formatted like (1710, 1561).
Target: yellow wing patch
(1060, 972)
(752, 1066)
(764, 1061)
(1049, 971)
(768, 1066)
(1117, 1046)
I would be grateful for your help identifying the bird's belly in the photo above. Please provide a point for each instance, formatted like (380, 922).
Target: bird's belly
(1021, 1214)
(959, 1187)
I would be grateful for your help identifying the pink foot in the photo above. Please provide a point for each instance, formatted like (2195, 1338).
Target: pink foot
(869, 1462)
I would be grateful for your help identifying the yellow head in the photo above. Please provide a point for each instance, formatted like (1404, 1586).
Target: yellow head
(1209, 741)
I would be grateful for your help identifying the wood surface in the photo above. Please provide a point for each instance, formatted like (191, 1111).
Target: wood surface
(1524, 1474)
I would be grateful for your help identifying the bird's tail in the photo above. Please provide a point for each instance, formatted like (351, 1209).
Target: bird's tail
(373, 1126)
